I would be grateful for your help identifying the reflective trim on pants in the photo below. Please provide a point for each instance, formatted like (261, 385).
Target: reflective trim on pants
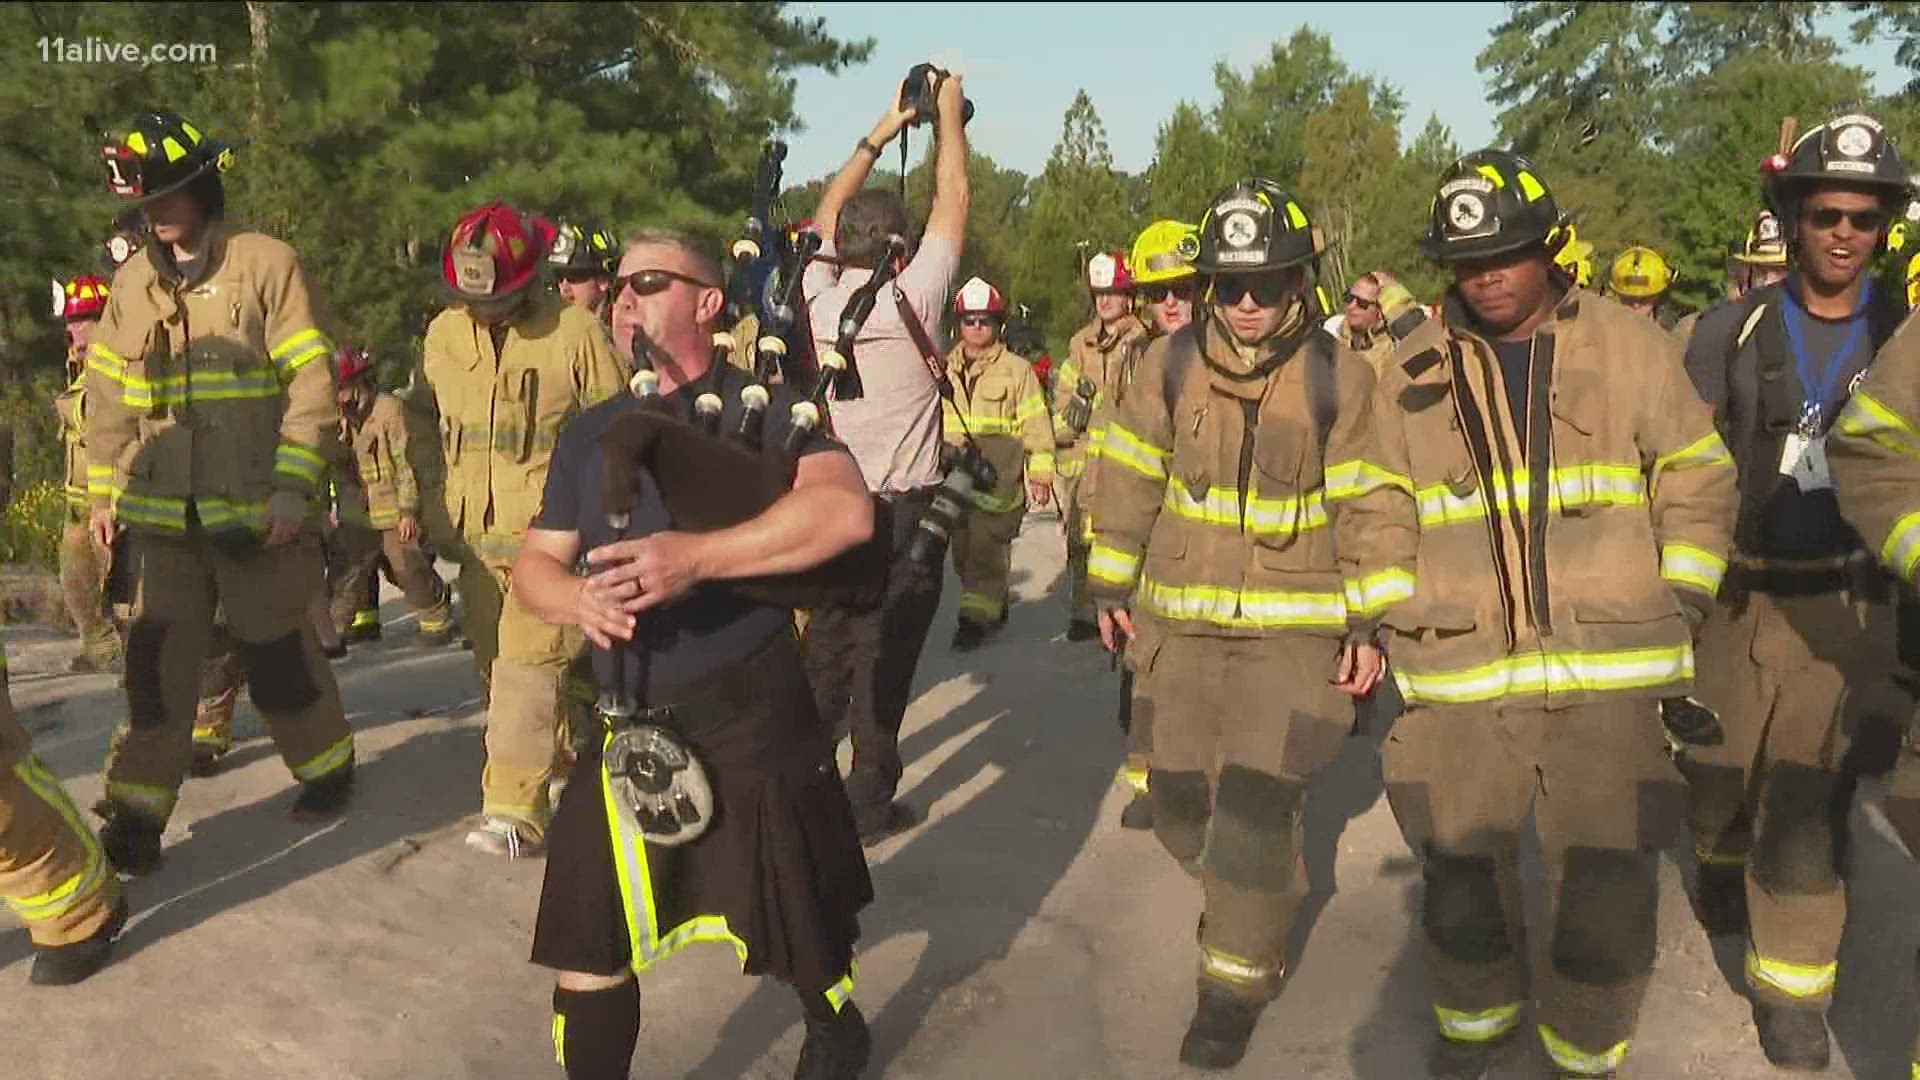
(1573, 1059)
(1484, 1025)
(1793, 980)
(85, 883)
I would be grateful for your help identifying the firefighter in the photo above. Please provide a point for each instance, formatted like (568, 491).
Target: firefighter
(1801, 659)
(83, 563)
(1761, 261)
(997, 410)
(1232, 533)
(583, 259)
(1575, 257)
(1875, 457)
(1575, 509)
(380, 509)
(1639, 280)
(505, 368)
(1085, 380)
(208, 428)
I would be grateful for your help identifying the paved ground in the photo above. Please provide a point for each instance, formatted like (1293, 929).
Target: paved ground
(1018, 934)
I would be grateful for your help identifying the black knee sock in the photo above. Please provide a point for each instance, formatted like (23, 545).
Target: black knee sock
(594, 1031)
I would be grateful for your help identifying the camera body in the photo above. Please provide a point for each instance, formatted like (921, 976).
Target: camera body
(1079, 411)
(967, 471)
(920, 92)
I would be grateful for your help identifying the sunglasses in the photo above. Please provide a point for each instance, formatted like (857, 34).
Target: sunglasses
(977, 320)
(1266, 291)
(654, 280)
(1826, 217)
(1157, 294)
(580, 277)
(1362, 301)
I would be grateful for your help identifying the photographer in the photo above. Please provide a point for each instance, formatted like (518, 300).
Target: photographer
(778, 873)
(861, 675)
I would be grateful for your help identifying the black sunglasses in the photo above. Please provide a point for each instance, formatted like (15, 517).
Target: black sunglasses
(977, 320)
(1266, 291)
(1362, 301)
(1157, 294)
(1826, 217)
(654, 280)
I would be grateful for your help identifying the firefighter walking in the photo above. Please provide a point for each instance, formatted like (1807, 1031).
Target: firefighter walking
(1575, 510)
(1801, 660)
(379, 509)
(505, 368)
(83, 561)
(1086, 379)
(1233, 527)
(998, 410)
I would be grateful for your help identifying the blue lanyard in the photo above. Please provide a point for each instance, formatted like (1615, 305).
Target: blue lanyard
(1819, 396)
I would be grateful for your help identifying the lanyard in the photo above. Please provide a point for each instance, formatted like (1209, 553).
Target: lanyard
(1819, 396)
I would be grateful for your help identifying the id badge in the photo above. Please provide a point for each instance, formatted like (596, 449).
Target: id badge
(1805, 460)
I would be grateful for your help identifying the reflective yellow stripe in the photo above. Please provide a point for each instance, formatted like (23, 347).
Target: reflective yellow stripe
(1573, 1059)
(1135, 453)
(299, 350)
(85, 883)
(1597, 484)
(1234, 969)
(989, 503)
(100, 480)
(106, 362)
(292, 459)
(1372, 594)
(1553, 673)
(1263, 516)
(333, 757)
(979, 603)
(1902, 549)
(842, 992)
(1707, 450)
(1720, 858)
(1251, 608)
(1112, 565)
(1352, 479)
(153, 802)
(1134, 778)
(1040, 465)
(1793, 980)
(560, 1040)
(1485, 1025)
(1867, 417)
(1684, 564)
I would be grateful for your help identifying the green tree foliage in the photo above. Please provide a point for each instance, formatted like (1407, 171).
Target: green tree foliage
(1191, 161)
(1346, 140)
(1079, 207)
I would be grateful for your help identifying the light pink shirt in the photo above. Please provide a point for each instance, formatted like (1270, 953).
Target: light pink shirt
(893, 430)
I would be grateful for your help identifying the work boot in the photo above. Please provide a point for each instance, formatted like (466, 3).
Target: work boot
(1138, 814)
(1720, 898)
(64, 965)
(1217, 1037)
(130, 840)
(436, 639)
(325, 798)
(835, 1049)
(362, 631)
(206, 759)
(1082, 630)
(498, 836)
(896, 819)
(1793, 1038)
(967, 636)
(1457, 1059)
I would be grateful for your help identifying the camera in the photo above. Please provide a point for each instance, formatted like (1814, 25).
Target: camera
(1079, 412)
(967, 471)
(921, 92)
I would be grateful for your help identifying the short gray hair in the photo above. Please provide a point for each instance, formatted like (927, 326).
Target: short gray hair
(701, 245)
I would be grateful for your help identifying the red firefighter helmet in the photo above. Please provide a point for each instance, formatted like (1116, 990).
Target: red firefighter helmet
(350, 363)
(1109, 272)
(977, 297)
(494, 251)
(85, 297)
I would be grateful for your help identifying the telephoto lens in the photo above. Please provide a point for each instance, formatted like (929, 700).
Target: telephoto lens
(967, 472)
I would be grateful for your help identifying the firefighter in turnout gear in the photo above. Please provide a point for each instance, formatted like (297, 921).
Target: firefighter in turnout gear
(1575, 512)
(1639, 280)
(996, 407)
(1800, 662)
(1162, 256)
(1875, 456)
(83, 562)
(1095, 356)
(1234, 526)
(210, 415)
(583, 259)
(380, 508)
(505, 368)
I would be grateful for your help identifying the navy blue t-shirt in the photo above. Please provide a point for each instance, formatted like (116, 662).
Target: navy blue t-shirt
(712, 625)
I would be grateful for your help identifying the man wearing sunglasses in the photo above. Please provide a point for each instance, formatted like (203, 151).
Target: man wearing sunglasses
(1575, 506)
(1095, 363)
(1234, 528)
(583, 260)
(505, 368)
(1800, 659)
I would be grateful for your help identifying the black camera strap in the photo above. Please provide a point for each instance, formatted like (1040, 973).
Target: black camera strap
(923, 341)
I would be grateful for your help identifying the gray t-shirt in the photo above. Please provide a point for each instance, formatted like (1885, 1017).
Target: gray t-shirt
(893, 430)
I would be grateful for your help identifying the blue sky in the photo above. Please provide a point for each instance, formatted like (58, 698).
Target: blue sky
(1025, 61)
